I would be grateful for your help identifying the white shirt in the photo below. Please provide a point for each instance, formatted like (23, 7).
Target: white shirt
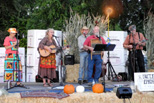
(81, 40)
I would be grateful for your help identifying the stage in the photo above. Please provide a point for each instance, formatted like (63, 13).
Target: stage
(87, 97)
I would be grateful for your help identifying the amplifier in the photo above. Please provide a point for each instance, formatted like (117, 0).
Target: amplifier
(69, 59)
(124, 92)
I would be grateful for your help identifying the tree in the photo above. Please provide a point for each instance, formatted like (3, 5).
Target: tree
(134, 13)
(149, 31)
(47, 14)
(13, 13)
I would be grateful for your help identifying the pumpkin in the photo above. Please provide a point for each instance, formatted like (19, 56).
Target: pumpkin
(80, 89)
(98, 88)
(69, 89)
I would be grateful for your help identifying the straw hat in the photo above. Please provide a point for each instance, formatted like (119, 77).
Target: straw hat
(12, 30)
(84, 27)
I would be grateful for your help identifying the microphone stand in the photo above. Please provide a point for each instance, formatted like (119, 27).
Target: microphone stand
(61, 63)
(133, 59)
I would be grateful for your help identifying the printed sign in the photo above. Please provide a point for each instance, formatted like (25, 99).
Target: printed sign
(144, 81)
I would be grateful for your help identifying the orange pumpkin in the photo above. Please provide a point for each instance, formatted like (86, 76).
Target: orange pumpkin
(98, 88)
(69, 89)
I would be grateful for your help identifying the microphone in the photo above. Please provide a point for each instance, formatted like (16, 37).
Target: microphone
(56, 36)
(98, 37)
(85, 34)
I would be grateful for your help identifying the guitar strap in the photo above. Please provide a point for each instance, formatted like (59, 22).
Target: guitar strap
(138, 36)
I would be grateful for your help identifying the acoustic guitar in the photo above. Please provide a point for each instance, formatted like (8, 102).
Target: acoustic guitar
(45, 53)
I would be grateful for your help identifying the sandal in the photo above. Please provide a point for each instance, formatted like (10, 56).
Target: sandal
(50, 84)
(45, 85)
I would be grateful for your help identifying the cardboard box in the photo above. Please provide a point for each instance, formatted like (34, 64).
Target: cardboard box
(1, 79)
(23, 77)
(35, 36)
(31, 73)
(32, 57)
(1, 70)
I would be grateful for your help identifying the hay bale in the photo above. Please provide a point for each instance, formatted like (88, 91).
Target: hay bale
(72, 73)
(151, 70)
(86, 97)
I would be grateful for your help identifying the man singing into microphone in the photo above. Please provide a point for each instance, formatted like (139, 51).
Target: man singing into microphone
(94, 57)
(83, 56)
(134, 42)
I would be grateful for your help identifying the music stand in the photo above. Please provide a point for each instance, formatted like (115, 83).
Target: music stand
(106, 47)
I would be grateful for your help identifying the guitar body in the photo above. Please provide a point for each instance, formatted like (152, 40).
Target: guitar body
(45, 53)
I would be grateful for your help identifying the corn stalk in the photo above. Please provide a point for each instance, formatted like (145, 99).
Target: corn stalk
(73, 27)
(149, 34)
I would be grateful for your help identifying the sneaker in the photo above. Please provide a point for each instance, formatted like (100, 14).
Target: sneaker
(85, 81)
(90, 84)
(80, 82)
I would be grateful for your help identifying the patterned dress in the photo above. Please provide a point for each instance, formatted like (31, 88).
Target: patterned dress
(47, 65)
(12, 65)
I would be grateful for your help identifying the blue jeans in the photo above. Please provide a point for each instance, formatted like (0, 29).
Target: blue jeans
(83, 65)
(96, 59)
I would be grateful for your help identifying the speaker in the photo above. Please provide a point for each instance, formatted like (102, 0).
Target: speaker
(69, 59)
(124, 92)
(124, 75)
(38, 78)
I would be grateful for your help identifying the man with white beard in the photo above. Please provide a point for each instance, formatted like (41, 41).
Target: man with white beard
(94, 57)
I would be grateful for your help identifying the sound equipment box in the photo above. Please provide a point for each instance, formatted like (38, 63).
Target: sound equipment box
(124, 76)
(38, 78)
(124, 92)
(69, 59)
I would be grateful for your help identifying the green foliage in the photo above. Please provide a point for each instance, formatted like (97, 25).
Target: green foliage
(23, 42)
(43, 14)
(13, 13)
(47, 14)
(115, 27)
(2, 35)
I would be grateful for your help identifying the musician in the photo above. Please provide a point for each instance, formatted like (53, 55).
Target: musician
(12, 61)
(47, 65)
(94, 58)
(135, 42)
(83, 56)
